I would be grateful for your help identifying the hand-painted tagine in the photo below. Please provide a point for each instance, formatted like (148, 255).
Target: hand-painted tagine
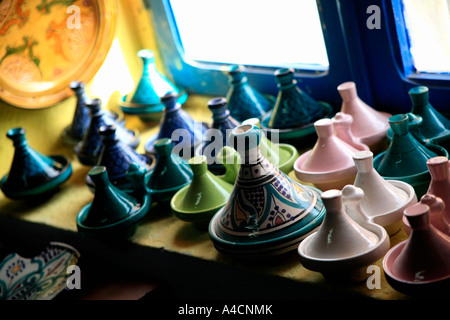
(39, 278)
(267, 212)
(33, 175)
(295, 112)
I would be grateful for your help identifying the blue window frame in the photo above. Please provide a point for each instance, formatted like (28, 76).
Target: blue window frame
(377, 60)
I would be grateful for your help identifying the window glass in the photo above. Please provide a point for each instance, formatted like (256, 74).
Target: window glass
(282, 33)
(428, 26)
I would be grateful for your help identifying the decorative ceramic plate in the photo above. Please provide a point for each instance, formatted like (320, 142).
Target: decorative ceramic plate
(38, 278)
(46, 44)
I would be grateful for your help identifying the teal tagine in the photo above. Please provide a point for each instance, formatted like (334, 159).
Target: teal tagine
(144, 101)
(295, 111)
(434, 128)
(244, 101)
(267, 213)
(113, 214)
(32, 174)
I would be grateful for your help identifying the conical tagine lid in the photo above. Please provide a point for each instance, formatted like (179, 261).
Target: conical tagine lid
(267, 213)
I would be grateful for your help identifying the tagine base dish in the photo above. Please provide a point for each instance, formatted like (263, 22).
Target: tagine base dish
(40, 278)
(289, 154)
(46, 188)
(263, 245)
(301, 133)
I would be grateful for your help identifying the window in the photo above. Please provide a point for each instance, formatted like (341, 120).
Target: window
(411, 47)
(428, 27)
(283, 33)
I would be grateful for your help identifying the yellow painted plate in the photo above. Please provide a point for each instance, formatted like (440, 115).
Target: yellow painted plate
(46, 44)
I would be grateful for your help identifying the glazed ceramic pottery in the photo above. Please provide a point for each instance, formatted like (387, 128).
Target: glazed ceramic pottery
(170, 174)
(244, 101)
(281, 155)
(74, 133)
(329, 164)
(384, 200)
(406, 158)
(116, 157)
(341, 248)
(113, 213)
(203, 197)
(295, 111)
(434, 127)
(216, 137)
(440, 181)
(175, 124)
(369, 125)
(88, 150)
(419, 265)
(342, 124)
(436, 215)
(267, 212)
(42, 277)
(32, 174)
(145, 101)
(294, 107)
(230, 159)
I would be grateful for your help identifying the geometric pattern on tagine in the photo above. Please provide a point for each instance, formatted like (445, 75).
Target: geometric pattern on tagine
(38, 278)
(267, 206)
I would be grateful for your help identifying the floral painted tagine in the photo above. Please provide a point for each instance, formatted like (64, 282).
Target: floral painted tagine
(267, 213)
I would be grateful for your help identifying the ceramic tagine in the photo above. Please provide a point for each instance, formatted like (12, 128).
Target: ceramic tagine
(436, 215)
(419, 265)
(384, 200)
(440, 188)
(144, 101)
(329, 164)
(74, 133)
(244, 101)
(369, 125)
(203, 197)
(113, 213)
(267, 212)
(342, 124)
(117, 157)
(216, 137)
(88, 150)
(434, 127)
(231, 160)
(281, 155)
(295, 111)
(32, 174)
(170, 173)
(342, 248)
(177, 123)
(406, 158)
